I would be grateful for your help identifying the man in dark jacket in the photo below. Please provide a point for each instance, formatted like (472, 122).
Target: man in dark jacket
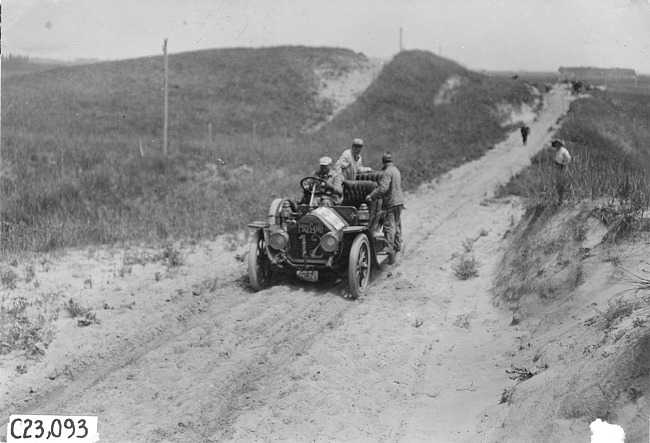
(390, 190)
(525, 132)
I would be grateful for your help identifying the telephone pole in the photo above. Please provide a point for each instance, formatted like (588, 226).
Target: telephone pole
(165, 127)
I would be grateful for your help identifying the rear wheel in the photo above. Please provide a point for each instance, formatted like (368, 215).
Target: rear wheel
(260, 272)
(359, 266)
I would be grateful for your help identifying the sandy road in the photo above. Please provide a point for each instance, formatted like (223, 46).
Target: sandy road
(420, 358)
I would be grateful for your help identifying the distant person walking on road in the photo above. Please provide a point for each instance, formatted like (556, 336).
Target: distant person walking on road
(349, 164)
(562, 157)
(390, 189)
(525, 132)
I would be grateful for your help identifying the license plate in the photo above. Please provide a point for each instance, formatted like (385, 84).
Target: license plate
(311, 276)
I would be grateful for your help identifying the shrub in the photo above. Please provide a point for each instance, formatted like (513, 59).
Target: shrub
(28, 326)
(8, 278)
(466, 267)
(74, 309)
(173, 256)
(29, 273)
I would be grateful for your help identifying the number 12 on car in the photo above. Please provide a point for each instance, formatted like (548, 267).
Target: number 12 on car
(52, 428)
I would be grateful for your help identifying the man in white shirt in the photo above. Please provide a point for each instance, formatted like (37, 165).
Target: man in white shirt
(562, 157)
(349, 164)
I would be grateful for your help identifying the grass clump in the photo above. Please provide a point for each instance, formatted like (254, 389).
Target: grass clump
(74, 309)
(172, 256)
(29, 273)
(466, 267)
(8, 278)
(28, 326)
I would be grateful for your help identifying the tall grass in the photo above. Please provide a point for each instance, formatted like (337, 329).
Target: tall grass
(67, 199)
(608, 137)
(72, 172)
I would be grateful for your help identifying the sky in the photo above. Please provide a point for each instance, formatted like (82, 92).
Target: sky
(528, 35)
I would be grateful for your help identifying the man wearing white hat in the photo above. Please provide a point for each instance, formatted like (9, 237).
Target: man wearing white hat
(329, 192)
(349, 163)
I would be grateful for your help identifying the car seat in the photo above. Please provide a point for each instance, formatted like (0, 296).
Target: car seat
(356, 191)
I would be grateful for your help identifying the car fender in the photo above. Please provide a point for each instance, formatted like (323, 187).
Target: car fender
(276, 207)
(352, 231)
(258, 225)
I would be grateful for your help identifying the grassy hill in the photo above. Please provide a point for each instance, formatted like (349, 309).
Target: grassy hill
(16, 66)
(72, 138)
(234, 89)
(398, 113)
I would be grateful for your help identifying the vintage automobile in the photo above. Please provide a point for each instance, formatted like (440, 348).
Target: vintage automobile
(313, 241)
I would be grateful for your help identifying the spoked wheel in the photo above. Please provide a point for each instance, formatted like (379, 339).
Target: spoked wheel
(260, 272)
(359, 266)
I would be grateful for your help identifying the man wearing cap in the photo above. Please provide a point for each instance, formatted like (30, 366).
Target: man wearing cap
(562, 156)
(349, 163)
(330, 192)
(390, 189)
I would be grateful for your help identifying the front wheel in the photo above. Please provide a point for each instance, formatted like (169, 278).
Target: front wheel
(359, 266)
(260, 272)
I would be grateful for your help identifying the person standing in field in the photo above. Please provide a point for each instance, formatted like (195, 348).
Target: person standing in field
(349, 163)
(390, 190)
(562, 157)
(525, 132)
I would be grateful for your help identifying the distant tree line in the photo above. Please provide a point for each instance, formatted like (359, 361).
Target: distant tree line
(598, 72)
(15, 58)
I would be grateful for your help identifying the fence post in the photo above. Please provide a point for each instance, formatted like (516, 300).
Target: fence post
(165, 127)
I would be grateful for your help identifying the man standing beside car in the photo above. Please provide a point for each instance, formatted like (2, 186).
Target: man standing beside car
(349, 163)
(390, 190)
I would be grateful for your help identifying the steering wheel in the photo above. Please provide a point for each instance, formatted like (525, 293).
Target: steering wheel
(306, 182)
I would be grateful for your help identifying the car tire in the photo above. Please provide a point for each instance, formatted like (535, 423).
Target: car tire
(359, 266)
(260, 272)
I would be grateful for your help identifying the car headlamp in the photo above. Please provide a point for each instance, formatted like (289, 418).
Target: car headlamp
(279, 240)
(329, 242)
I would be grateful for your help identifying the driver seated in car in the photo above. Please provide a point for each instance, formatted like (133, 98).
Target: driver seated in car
(328, 192)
